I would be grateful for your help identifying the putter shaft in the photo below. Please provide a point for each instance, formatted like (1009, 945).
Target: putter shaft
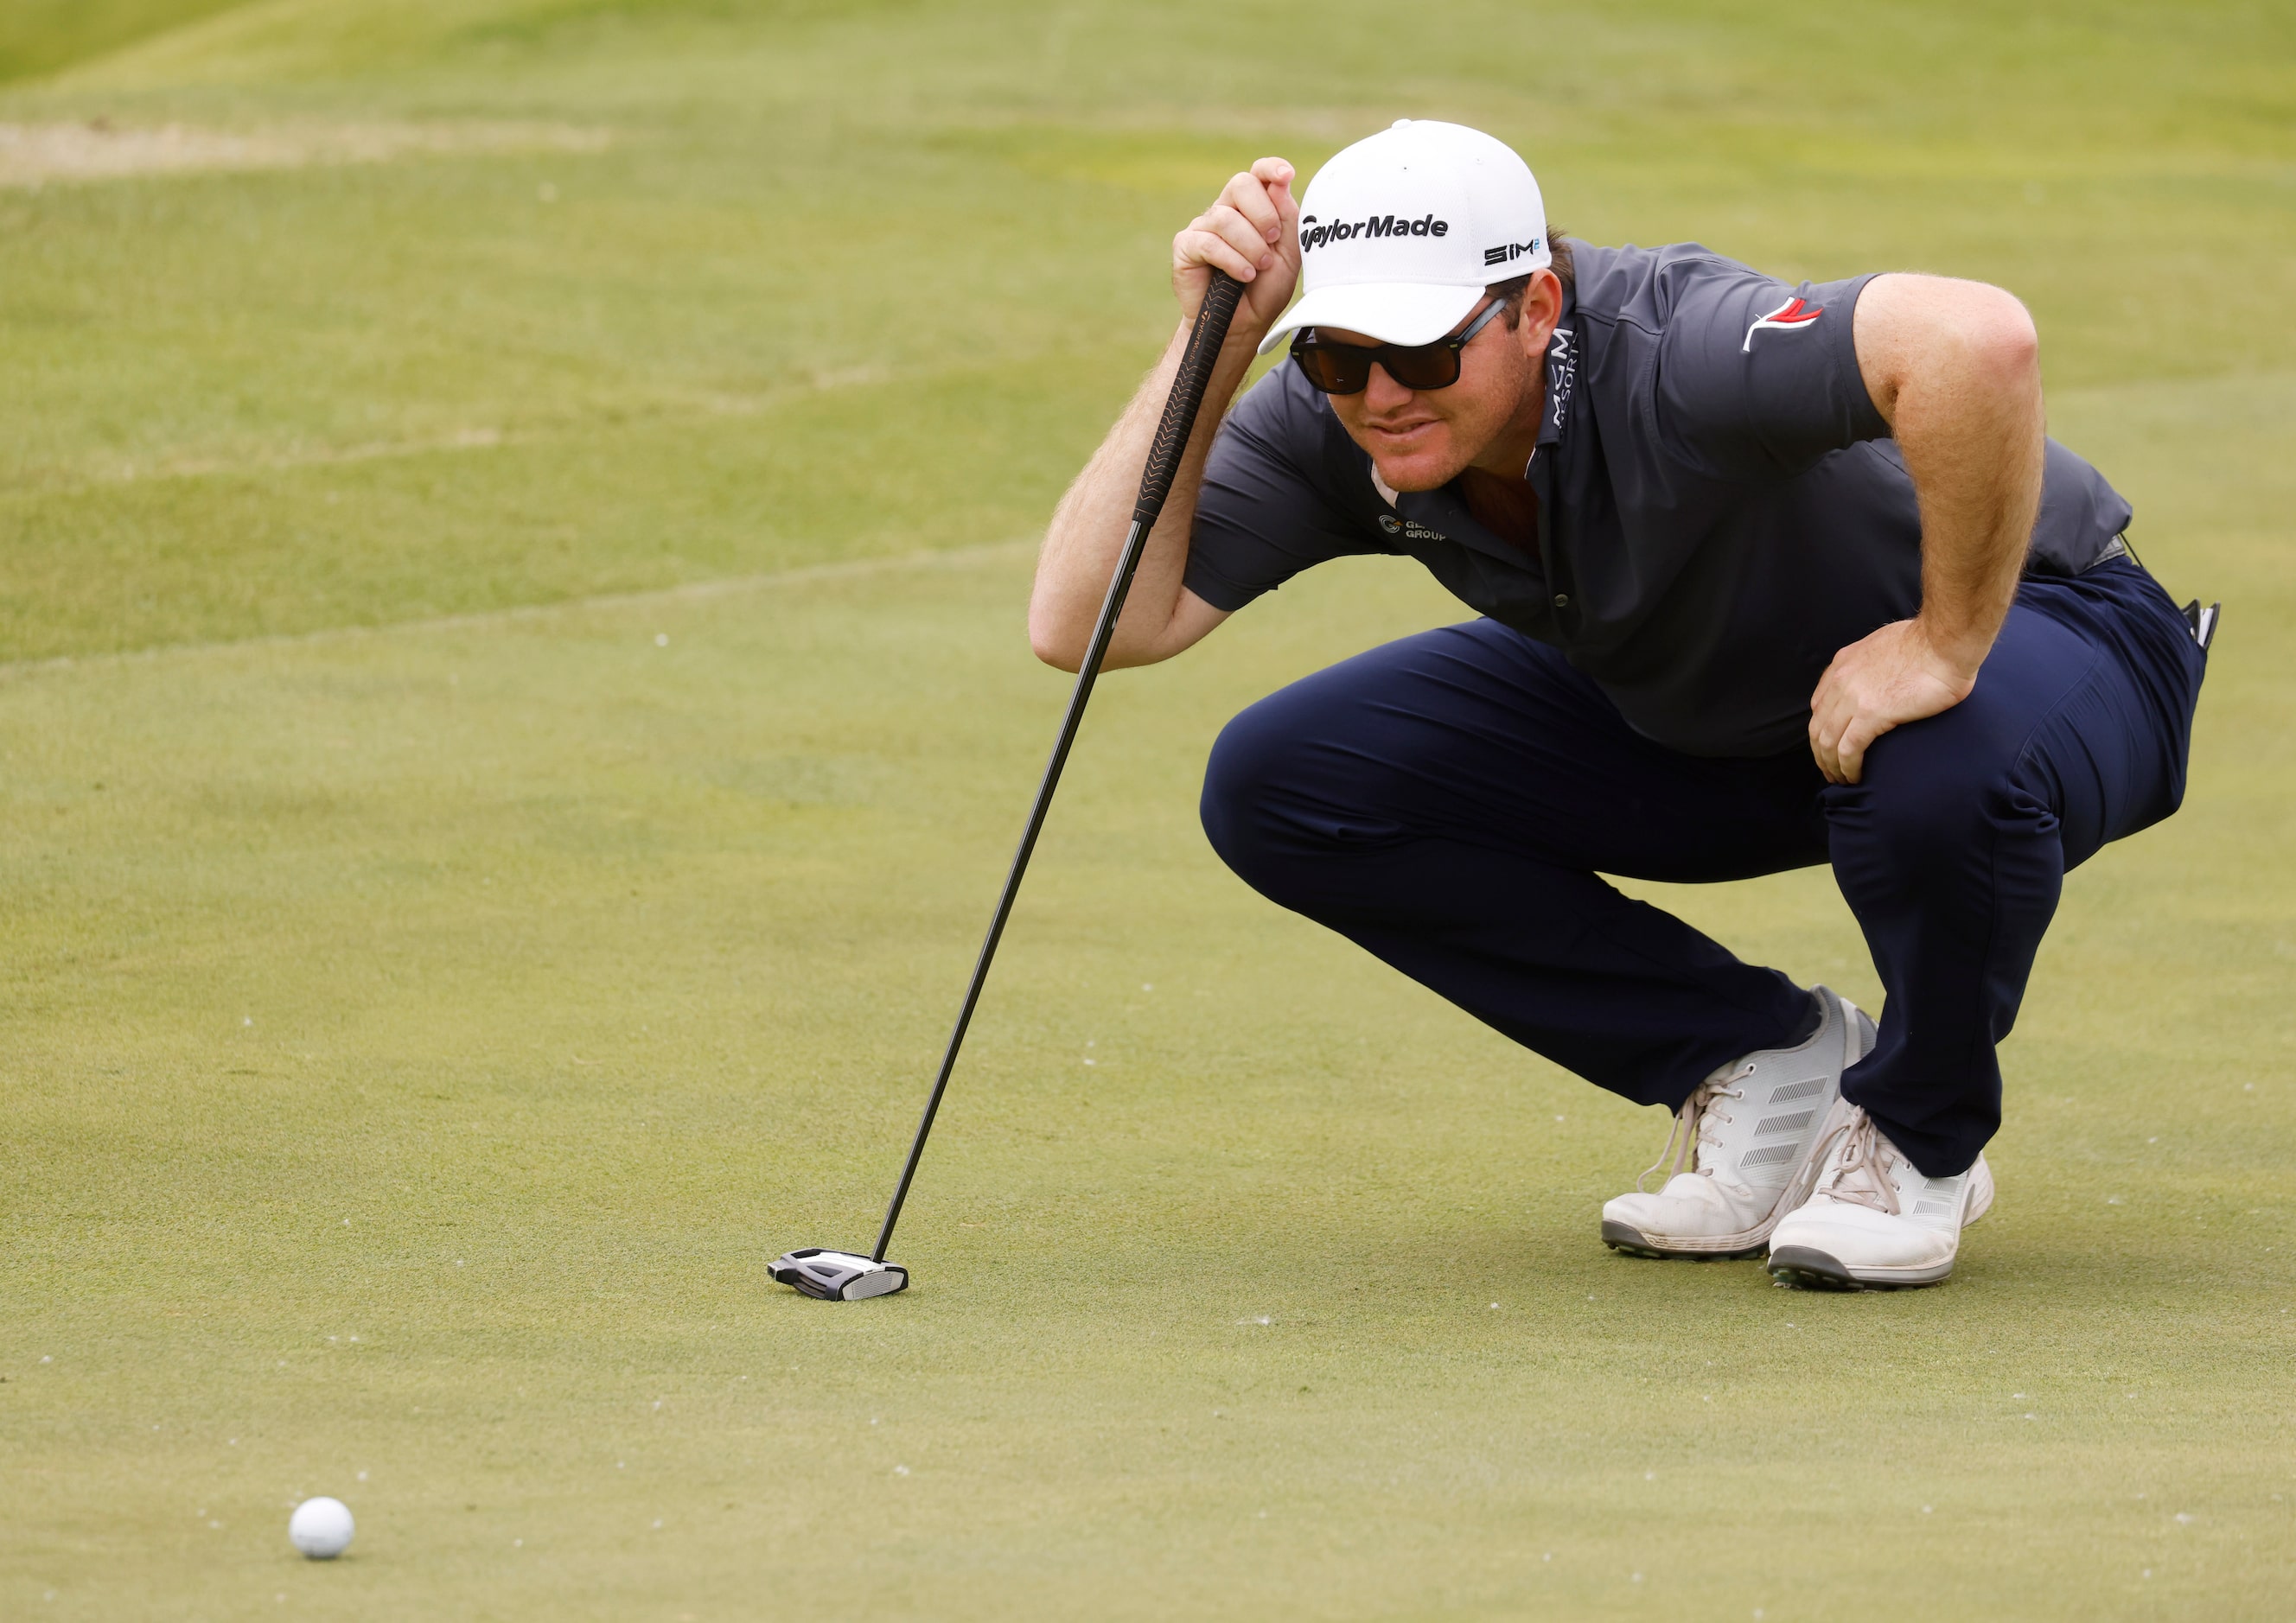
(1170, 445)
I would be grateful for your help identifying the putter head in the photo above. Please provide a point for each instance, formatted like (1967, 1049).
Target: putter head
(840, 1277)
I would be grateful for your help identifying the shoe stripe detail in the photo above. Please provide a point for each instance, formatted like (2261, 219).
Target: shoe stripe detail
(1770, 1155)
(1794, 1123)
(1798, 1090)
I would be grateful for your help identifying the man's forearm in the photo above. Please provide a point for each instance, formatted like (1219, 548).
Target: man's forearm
(1978, 475)
(1954, 369)
(1966, 413)
(1088, 531)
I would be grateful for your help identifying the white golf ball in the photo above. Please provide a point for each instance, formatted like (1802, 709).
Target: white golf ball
(321, 1528)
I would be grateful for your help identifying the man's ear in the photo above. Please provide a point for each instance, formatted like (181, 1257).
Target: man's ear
(1542, 307)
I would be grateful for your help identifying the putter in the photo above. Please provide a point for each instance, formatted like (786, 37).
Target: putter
(845, 1276)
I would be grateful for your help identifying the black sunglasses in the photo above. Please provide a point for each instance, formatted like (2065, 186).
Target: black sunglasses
(1345, 369)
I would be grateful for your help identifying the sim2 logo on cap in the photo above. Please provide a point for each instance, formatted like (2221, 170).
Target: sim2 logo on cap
(1506, 251)
(1793, 313)
(1314, 236)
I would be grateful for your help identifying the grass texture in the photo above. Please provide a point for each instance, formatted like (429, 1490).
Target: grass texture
(513, 707)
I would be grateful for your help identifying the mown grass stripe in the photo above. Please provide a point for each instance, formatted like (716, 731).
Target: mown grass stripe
(688, 592)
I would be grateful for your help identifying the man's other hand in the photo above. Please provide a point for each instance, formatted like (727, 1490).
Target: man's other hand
(1882, 681)
(1252, 233)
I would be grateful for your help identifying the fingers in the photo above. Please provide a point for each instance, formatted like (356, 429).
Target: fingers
(1849, 749)
(1277, 176)
(1881, 682)
(1245, 232)
(1248, 196)
(1828, 718)
(1251, 230)
(1210, 241)
(1842, 729)
(1225, 237)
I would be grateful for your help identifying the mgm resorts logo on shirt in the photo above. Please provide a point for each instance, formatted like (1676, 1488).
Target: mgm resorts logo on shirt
(1312, 235)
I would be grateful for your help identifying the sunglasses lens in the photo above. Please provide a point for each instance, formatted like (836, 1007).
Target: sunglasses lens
(1429, 366)
(1334, 368)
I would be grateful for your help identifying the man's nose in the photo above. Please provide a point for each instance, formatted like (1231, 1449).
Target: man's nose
(1382, 393)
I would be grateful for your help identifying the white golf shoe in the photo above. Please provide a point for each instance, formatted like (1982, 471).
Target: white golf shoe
(1748, 1132)
(1874, 1221)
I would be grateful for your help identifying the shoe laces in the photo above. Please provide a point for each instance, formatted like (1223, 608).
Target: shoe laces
(1696, 1125)
(1859, 1164)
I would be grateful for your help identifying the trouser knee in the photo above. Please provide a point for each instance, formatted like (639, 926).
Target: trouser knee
(1280, 809)
(1921, 826)
(1239, 778)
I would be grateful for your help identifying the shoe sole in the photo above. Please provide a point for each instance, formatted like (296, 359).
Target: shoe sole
(1721, 1248)
(1626, 1237)
(1812, 1270)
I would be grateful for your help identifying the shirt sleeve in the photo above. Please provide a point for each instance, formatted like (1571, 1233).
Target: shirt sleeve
(1268, 507)
(1756, 379)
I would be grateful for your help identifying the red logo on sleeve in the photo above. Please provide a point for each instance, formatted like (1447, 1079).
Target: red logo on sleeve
(1793, 313)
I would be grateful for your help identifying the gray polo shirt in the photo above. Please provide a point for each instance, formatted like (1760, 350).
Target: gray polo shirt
(1720, 506)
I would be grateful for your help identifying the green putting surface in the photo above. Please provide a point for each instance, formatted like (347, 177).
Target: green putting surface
(515, 707)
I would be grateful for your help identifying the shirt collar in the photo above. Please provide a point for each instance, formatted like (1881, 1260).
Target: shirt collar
(1562, 375)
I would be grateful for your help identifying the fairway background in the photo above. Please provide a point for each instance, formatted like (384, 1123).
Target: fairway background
(514, 705)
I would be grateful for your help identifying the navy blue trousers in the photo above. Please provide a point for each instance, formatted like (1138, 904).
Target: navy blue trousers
(1449, 801)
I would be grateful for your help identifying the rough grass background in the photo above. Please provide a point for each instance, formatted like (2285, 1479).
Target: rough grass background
(430, 995)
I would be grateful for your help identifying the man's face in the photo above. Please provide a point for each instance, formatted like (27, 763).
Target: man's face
(1421, 440)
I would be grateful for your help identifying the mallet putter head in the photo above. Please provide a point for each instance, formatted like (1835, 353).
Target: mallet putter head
(840, 1277)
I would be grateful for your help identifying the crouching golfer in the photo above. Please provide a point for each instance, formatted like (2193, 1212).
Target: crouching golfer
(1770, 576)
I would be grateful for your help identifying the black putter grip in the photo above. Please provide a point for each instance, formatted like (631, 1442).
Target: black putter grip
(1195, 374)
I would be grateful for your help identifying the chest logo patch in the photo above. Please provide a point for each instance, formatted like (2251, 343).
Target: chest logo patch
(1410, 530)
(1788, 317)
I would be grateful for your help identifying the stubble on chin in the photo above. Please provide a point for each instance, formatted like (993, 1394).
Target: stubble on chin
(1428, 471)
(1420, 470)
(1406, 483)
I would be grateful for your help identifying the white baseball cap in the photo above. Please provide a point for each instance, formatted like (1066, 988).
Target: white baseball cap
(1400, 233)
